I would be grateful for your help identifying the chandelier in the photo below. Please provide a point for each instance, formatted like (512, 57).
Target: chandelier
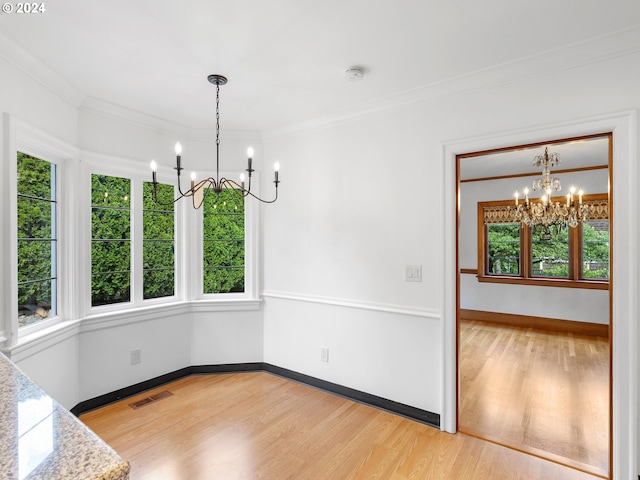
(198, 190)
(546, 213)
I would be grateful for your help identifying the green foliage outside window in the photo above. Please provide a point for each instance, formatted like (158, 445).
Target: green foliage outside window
(110, 239)
(550, 256)
(158, 241)
(36, 218)
(549, 251)
(223, 242)
(503, 248)
(595, 250)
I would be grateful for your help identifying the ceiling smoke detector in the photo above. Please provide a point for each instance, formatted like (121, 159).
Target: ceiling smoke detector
(354, 74)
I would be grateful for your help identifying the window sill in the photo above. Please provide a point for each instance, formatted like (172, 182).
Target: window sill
(63, 329)
(547, 282)
(170, 308)
(226, 304)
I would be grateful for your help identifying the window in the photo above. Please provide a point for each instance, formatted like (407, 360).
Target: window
(37, 245)
(158, 243)
(595, 250)
(223, 242)
(503, 248)
(574, 257)
(110, 240)
(550, 253)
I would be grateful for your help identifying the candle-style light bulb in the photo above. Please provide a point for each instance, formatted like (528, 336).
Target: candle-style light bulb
(193, 179)
(154, 167)
(242, 177)
(178, 153)
(276, 168)
(580, 193)
(526, 195)
(568, 199)
(516, 195)
(250, 155)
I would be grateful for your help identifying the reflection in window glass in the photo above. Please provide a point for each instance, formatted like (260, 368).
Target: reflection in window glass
(595, 250)
(110, 240)
(550, 252)
(503, 248)
(37, 277)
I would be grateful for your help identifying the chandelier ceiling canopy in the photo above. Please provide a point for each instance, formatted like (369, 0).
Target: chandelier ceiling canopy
(199, 189)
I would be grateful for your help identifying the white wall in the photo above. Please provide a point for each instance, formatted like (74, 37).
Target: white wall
(369, 348)
(583, 305)
(53, 364)
(25, 97)
(363, 199)
(105, 346)
(226, 337)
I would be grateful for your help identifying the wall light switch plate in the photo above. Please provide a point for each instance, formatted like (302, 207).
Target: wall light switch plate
(324, 354)
(413, 273)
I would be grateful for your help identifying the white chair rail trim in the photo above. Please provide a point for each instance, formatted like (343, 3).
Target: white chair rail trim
(363, 305)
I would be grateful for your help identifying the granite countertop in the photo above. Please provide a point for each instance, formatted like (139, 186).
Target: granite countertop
(41, 440)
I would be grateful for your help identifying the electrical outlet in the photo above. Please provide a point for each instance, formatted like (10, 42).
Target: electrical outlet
(136, 356)
(324, 354)
(413, 273)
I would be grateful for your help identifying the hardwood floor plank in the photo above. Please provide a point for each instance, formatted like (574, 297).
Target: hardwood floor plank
(260, 426)
(542, 392)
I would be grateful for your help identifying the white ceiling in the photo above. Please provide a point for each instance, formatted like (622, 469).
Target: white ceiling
(285, 58)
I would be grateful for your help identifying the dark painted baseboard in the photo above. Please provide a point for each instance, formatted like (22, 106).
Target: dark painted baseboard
(423, 416)
(107, 398)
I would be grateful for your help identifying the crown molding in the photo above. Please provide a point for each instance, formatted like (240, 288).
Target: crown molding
(620, 43)
(96, 106)
(37, 142)
(599, 49)
(17, 56)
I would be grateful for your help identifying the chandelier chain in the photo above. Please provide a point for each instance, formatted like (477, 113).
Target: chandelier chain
(217, 114)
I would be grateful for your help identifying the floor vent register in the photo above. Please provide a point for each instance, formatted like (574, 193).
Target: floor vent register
(151, 399)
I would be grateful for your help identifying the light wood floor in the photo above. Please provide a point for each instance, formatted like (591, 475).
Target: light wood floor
(260, 426)
(542, 392)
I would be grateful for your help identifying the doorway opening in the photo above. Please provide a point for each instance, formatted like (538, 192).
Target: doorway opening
(533, 308)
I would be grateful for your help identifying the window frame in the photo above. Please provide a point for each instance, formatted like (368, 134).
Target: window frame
(251, 260)
(137, 173)
(204, 262)
(22, 137)
(54, 208)
(525, 277)
(175, 244)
